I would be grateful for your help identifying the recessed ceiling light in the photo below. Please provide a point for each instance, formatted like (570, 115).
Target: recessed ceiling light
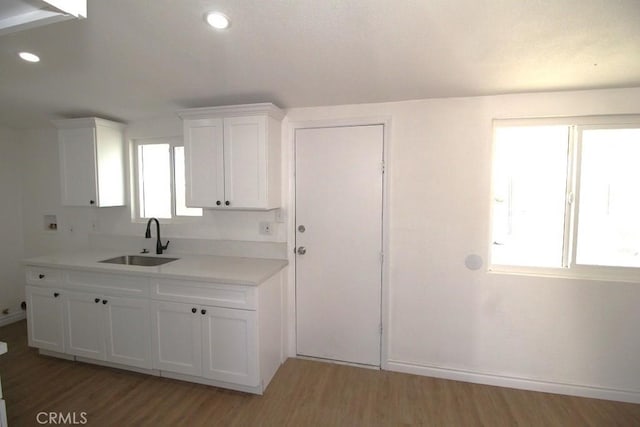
(29, 57)
(218, 20)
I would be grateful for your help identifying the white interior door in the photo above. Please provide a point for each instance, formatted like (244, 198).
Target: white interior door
(339, 242)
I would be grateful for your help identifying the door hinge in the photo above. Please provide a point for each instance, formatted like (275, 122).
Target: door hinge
(381, 257)
(382, 166)
(380, 328)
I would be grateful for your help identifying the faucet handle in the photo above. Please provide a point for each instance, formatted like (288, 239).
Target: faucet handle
(164, 247)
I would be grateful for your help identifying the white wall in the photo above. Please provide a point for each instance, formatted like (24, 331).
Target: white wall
(445, 320)
(11, 247)
(42, 197)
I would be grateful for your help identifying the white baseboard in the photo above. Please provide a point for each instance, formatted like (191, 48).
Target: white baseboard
(16, 316)
(200, 380)
(337, 362)
(515, 382)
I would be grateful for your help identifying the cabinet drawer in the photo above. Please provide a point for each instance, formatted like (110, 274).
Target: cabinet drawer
(43, 276)
(214, 294)
(108, 284)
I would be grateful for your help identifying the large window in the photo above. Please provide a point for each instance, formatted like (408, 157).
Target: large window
(160, 180)
(566, 196)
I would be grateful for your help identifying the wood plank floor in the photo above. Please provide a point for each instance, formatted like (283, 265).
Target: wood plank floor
(303, 393)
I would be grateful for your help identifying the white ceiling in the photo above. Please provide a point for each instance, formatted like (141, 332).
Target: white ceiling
(135, 59)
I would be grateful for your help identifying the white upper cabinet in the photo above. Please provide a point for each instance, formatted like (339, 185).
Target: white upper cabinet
(204, 160)
(91, 162)
(232, 156)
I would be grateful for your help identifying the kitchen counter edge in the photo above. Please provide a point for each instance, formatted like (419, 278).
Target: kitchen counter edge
(203, 268)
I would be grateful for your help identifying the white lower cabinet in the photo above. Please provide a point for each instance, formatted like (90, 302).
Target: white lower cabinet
(109, 328)
(110, 325)
(3, 408)
(217, 334)
(177, 337)
(84, 331)
(46, 318)
(3, 414)
(216, 343)
(127, 326)
(230, 345)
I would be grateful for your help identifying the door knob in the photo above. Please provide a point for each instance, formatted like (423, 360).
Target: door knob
(301, 228)
(302, 250)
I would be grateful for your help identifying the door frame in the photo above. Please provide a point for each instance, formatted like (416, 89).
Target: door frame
(290, 317)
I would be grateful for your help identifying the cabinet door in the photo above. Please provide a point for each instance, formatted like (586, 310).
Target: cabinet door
(230, 343)
(109, 171)
(177, 337)
(204, 165)
(127, 331)
(77, 166)
(3, 414)
(245, 161)
(84, 329)
(45, 318)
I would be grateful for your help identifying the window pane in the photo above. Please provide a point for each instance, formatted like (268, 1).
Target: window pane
(154, 180)
(181, 204)
(529, 180)
(609, 211)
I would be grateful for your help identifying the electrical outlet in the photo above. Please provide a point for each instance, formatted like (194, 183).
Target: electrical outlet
(266, 228)
(281, 216)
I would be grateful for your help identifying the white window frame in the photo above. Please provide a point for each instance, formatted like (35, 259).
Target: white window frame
(569, 268)
(173, 141)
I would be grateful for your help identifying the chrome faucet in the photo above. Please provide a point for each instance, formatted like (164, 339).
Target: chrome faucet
(147, 235)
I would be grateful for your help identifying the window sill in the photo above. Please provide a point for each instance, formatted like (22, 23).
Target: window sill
(163, 221)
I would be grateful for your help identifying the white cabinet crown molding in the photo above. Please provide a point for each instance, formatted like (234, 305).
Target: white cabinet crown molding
(86, 122)
(266, 108)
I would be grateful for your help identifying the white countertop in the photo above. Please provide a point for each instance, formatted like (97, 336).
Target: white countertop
(222, 269)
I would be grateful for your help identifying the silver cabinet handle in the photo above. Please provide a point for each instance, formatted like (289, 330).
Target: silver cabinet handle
(302, 250)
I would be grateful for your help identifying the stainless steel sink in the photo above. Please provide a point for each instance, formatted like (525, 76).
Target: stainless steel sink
(141, 260)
